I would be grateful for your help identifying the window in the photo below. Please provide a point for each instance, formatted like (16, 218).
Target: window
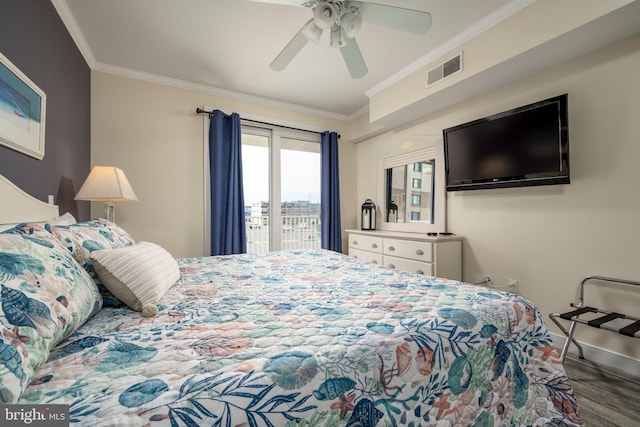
(415, 199)
(281, 180)
(417, 183)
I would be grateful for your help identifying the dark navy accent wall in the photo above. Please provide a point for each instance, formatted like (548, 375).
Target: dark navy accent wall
(34, 39)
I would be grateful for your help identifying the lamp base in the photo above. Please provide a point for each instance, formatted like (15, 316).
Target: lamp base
(109, 212)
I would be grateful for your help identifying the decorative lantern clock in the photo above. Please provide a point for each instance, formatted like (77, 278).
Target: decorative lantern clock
(368, 216)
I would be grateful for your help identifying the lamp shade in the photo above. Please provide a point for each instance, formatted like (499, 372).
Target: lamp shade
(106, 184)
(325, 15)
(312, 31)
(351, 23)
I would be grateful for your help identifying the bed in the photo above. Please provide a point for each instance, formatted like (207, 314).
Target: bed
(292, 338)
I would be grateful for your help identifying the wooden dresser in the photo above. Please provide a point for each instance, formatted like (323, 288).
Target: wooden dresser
(434, 256)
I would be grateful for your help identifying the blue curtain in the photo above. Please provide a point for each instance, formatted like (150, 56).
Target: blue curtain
(389, 185)
(228, 235)
(331, 235)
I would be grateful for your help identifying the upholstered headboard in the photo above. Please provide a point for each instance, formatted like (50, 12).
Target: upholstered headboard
(18, 206)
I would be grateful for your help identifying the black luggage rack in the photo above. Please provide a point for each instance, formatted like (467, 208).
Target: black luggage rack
(631, 329)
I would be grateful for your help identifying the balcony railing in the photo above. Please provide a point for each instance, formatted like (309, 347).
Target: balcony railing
(298, 232)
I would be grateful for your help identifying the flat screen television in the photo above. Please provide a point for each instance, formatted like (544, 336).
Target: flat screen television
(525, 146)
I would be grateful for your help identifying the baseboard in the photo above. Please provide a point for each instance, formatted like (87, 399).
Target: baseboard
(607, 359)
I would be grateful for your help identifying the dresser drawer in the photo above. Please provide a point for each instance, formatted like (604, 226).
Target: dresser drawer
(365, 243)
(366, 255)
(408, 265)
(419, 251)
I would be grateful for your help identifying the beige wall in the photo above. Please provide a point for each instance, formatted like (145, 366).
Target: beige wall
(151, 131)
(549, 237)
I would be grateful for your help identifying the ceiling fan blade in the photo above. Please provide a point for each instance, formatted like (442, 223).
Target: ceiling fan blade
(283, 2)
(354, 59)
(413, 21)
(290, 51)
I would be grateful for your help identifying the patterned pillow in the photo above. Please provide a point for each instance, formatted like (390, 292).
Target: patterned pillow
(139, 275)
(45, 296)
(66, 219)
(85, 237)
(93, 235)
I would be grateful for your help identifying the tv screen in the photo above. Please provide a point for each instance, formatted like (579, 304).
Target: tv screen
(525, 146)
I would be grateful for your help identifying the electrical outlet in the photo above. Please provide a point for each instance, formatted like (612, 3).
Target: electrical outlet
(513, 285)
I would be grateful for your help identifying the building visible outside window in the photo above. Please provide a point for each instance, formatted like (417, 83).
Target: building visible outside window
(417, 183)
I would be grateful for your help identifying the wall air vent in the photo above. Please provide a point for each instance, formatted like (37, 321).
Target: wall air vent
(444, 70)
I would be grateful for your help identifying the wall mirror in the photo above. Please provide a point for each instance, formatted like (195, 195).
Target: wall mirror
(411, 190)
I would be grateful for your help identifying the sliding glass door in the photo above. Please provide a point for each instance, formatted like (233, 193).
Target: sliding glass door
(281, 179)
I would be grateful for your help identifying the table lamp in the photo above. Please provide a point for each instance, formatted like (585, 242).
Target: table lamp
(107, 184)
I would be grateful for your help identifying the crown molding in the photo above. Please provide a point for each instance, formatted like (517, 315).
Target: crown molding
(73, 28)
(201, 88)
(453, 44)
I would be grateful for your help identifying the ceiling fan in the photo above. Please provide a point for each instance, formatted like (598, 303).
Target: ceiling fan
(344, 19)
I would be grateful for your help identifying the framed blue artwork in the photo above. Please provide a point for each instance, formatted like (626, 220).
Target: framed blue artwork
(22, 111)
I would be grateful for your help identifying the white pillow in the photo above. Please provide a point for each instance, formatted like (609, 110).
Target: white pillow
(138, 275)
(65, 219)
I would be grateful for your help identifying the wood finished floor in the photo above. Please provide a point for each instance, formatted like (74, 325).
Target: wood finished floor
(606, 397)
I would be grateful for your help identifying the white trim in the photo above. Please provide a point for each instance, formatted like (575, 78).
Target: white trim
(183, 84)
(275, 190)
(489, 21)
(617, 362)
(73, 28)
(454, 43)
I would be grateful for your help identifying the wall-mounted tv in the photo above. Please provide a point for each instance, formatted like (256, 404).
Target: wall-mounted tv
(525, 146)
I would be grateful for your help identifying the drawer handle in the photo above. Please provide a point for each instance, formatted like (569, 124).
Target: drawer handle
(373, 245)
(391, 248)
(419, 252)
(355, 242)
(392, 266)
(420, 272)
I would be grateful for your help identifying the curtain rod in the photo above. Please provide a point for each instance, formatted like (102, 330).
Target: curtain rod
(201, 111)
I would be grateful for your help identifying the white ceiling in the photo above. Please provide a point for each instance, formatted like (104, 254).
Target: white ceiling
(226, 46)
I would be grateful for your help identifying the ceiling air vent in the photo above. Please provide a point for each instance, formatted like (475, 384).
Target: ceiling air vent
(444, 70)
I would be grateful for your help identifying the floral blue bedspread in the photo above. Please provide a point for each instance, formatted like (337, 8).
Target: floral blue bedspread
(311, 338)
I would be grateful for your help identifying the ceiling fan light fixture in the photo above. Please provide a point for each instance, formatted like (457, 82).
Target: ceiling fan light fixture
(343, 19)
(312, 31)
(351, 23)
(338, 37)
(324, 15)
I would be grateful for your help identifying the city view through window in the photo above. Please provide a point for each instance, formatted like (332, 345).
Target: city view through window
(282, 210)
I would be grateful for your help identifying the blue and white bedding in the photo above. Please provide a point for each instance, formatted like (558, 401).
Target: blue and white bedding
(302, 338)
